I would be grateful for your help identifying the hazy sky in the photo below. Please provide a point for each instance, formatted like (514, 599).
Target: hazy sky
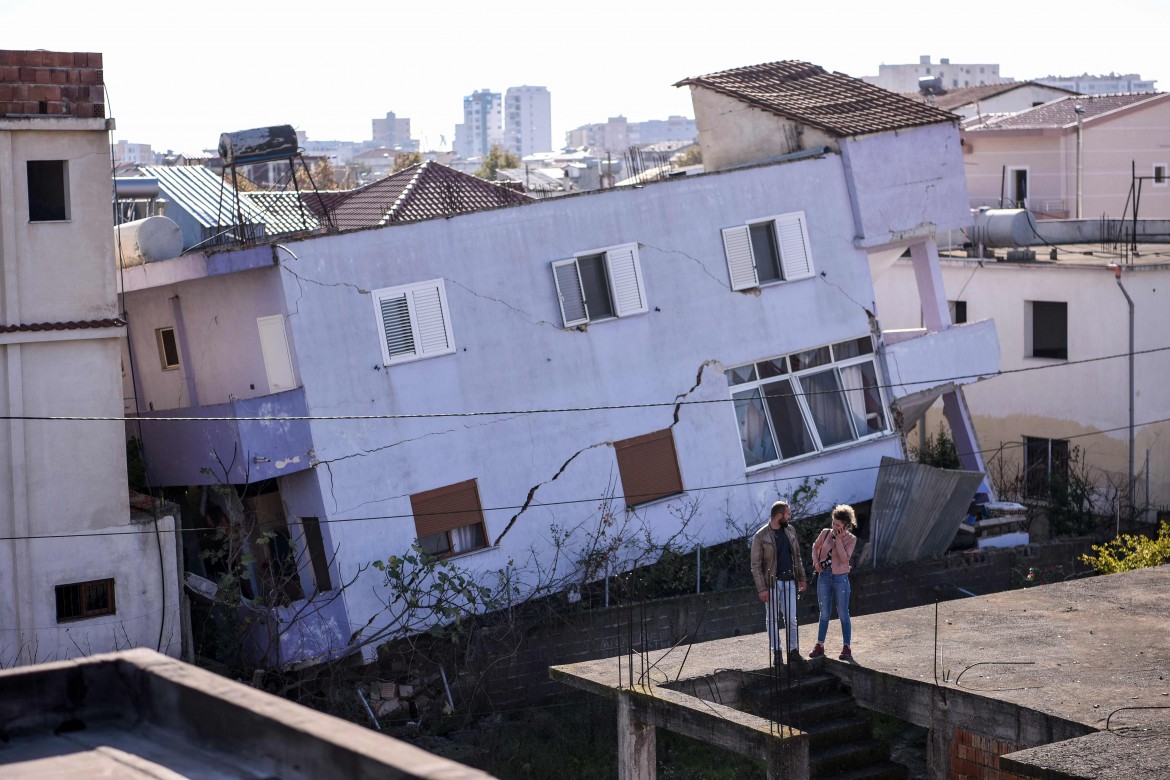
(180, 73)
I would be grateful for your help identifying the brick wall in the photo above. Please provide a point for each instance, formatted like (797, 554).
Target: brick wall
(51, 83)
(976, 757)
(522, 677)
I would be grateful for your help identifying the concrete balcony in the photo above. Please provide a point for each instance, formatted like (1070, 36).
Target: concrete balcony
(923, 365)
(225, 443)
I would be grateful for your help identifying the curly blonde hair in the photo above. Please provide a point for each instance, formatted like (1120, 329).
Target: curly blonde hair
(845, 514)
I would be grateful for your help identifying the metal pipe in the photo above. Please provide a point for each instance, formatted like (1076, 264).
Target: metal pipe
(1129, 482)
(1080, 111)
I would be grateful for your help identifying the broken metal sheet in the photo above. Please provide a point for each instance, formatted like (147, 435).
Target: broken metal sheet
(917, 510)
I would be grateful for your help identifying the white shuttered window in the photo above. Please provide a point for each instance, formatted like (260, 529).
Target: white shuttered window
(599, 285)
(414, 321)
(766, 251)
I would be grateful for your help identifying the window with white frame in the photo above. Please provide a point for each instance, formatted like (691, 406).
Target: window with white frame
(767, 251)
(809, 401)
(599, 285)
(414, 321)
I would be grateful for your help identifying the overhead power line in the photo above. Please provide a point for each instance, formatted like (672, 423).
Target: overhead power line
(588, 500)
(557, 410)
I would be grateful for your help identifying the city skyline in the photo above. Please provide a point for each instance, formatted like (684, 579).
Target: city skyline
(180, 91)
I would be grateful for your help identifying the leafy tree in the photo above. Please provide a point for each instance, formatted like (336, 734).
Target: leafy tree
(1131, 551)
(497, 158)
(404, 160)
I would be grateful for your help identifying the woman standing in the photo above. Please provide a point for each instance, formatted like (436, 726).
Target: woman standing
(832, 552)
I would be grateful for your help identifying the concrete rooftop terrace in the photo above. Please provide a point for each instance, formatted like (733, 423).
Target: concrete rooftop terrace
(140, 714)
(1039, 673)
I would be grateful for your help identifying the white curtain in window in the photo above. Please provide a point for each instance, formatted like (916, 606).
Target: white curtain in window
(465, 538)
(754, 433)
(854, 385)
(825, 402)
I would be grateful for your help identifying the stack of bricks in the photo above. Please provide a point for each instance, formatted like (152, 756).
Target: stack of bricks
(976, 757)
(51, 83)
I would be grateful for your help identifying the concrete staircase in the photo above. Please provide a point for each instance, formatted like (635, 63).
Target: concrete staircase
(841, 741)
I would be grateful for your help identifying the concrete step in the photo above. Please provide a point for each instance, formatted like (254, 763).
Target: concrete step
(841, 757)
(886, 770)
(851, 728)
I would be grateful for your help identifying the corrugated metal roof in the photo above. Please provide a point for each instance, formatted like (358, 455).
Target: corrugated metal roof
(283, 212)
(209, 199)
(835, 102)
(917, 510)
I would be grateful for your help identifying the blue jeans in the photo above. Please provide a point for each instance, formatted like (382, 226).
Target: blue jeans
(830, 588)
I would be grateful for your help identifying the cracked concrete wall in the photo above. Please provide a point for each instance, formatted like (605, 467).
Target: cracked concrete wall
(906, 184)
(513, 354)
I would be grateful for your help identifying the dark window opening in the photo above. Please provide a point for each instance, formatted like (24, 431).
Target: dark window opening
(318, 558)
(1045, 465)
(168, 348)
(595, 283)
(764, 250)
(958, 311)
(80, 600)
(1050, 329)
(48, 191)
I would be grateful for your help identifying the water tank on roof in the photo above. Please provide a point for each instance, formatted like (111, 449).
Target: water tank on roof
(931, 85)
(1004, 227)
(278, 142)
(147, 240)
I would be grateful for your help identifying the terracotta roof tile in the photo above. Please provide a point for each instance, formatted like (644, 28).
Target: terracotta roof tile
(962, 96)
(834, 102)
(422, 191)
(1061, 113)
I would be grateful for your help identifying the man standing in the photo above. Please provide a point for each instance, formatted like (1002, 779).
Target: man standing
(779, 573)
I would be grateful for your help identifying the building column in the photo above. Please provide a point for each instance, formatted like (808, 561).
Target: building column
(931, 295)
(936, 316)
(637, 752)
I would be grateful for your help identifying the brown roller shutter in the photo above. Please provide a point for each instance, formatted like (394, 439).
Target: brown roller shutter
(445, 508)
(649, 467)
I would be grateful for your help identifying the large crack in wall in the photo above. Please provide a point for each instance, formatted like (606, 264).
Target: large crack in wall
(680, 400)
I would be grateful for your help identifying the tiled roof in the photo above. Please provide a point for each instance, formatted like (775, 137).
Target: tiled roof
(1061, 113)
(413, 194)
(962, 96)
(834, 102)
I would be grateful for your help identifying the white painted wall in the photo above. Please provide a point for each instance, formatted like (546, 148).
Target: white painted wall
(64, 491)
(1089, 401)
(513, 355)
